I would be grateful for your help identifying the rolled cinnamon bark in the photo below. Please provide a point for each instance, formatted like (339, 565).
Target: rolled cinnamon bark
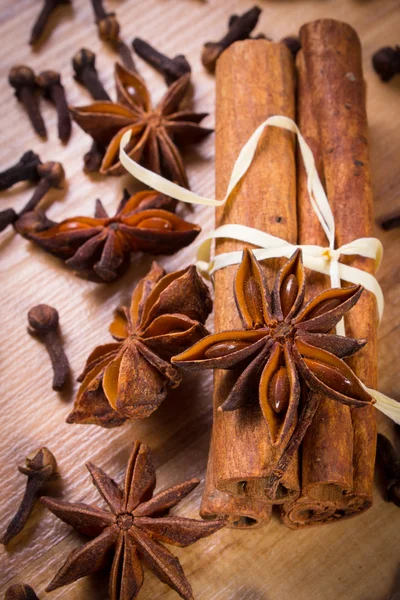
(241, 511)
(254, 80)
(338, 451)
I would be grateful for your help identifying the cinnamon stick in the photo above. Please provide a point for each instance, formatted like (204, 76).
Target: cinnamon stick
(240, 511)
(338, 451)
(254, 80)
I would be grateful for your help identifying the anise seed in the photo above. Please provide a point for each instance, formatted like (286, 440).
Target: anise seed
(289, 291)
(254, 301)
(324, 307)
(279, 391)
(155, 223)
(224, 348)
(332, 377)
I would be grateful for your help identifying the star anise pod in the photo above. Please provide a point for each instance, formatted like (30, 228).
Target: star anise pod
(99, 248)
(156, 132)
(131, 529)
(130, 378)
(283, 347)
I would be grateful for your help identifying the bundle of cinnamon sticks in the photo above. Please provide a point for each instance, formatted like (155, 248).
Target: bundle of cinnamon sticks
(331, 476)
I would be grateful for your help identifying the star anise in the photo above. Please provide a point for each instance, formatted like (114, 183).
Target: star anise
(156, 132)
(283, 348)
(99, 248)
(130, 378)
(132, 529)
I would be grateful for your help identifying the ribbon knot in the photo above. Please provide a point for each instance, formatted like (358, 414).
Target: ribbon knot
(330, 254)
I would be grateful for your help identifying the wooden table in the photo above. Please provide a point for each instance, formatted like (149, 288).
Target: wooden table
(356, 559)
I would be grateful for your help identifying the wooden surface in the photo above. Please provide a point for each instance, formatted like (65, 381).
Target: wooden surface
(356, 559)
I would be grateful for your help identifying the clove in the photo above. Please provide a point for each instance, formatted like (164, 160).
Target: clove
(43, 320)
(240, 28)
(24, 170)
(53, 90)
(389, 464)
(41, 467)
(48, 8)
(50, 174)
(20, 591)
(293, 43)
(386, 62)
(85, 72)
(23, 80)
(84, 64)
(8, 216)
(171, 68)
(109, 31)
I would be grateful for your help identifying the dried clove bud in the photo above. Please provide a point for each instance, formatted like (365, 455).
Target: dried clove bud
(48, 8)
(109, 31)
(171, 68)
(51, 174)
(43, 321)
(22, 79)
(389, 464)
(84, 64)
(20, 591)
(386, 62)
(293, 43)
(240, 28)
(41, 466)
(8, 216)
(24, 170)
(50, 83)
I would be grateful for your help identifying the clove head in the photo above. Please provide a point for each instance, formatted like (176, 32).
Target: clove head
(48, 79)
(53, 172)
(22, 76)
(108, 28)
(83, 59)
(43, 318)
(20, 591)
(41, 463)
(386, 62)
(293, 43)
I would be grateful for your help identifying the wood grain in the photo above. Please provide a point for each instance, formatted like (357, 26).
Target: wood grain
(357, 559)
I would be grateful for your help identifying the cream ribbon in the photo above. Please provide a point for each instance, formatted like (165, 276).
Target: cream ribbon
(316, 258)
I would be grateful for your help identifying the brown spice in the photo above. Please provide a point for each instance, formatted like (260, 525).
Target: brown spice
(109, 31)
(156, 132)
(242, 458)
(388, 463)
(84, 64)
(240, 28)
(20, 591)
(171, 68)
(132, 528)
(44, 325)
(386, 62)
(128, 379)
(50, 84)
(24, 170)
(23, 80)
(41, 467)
(50, 175)
(100, 248)
(48, 8)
